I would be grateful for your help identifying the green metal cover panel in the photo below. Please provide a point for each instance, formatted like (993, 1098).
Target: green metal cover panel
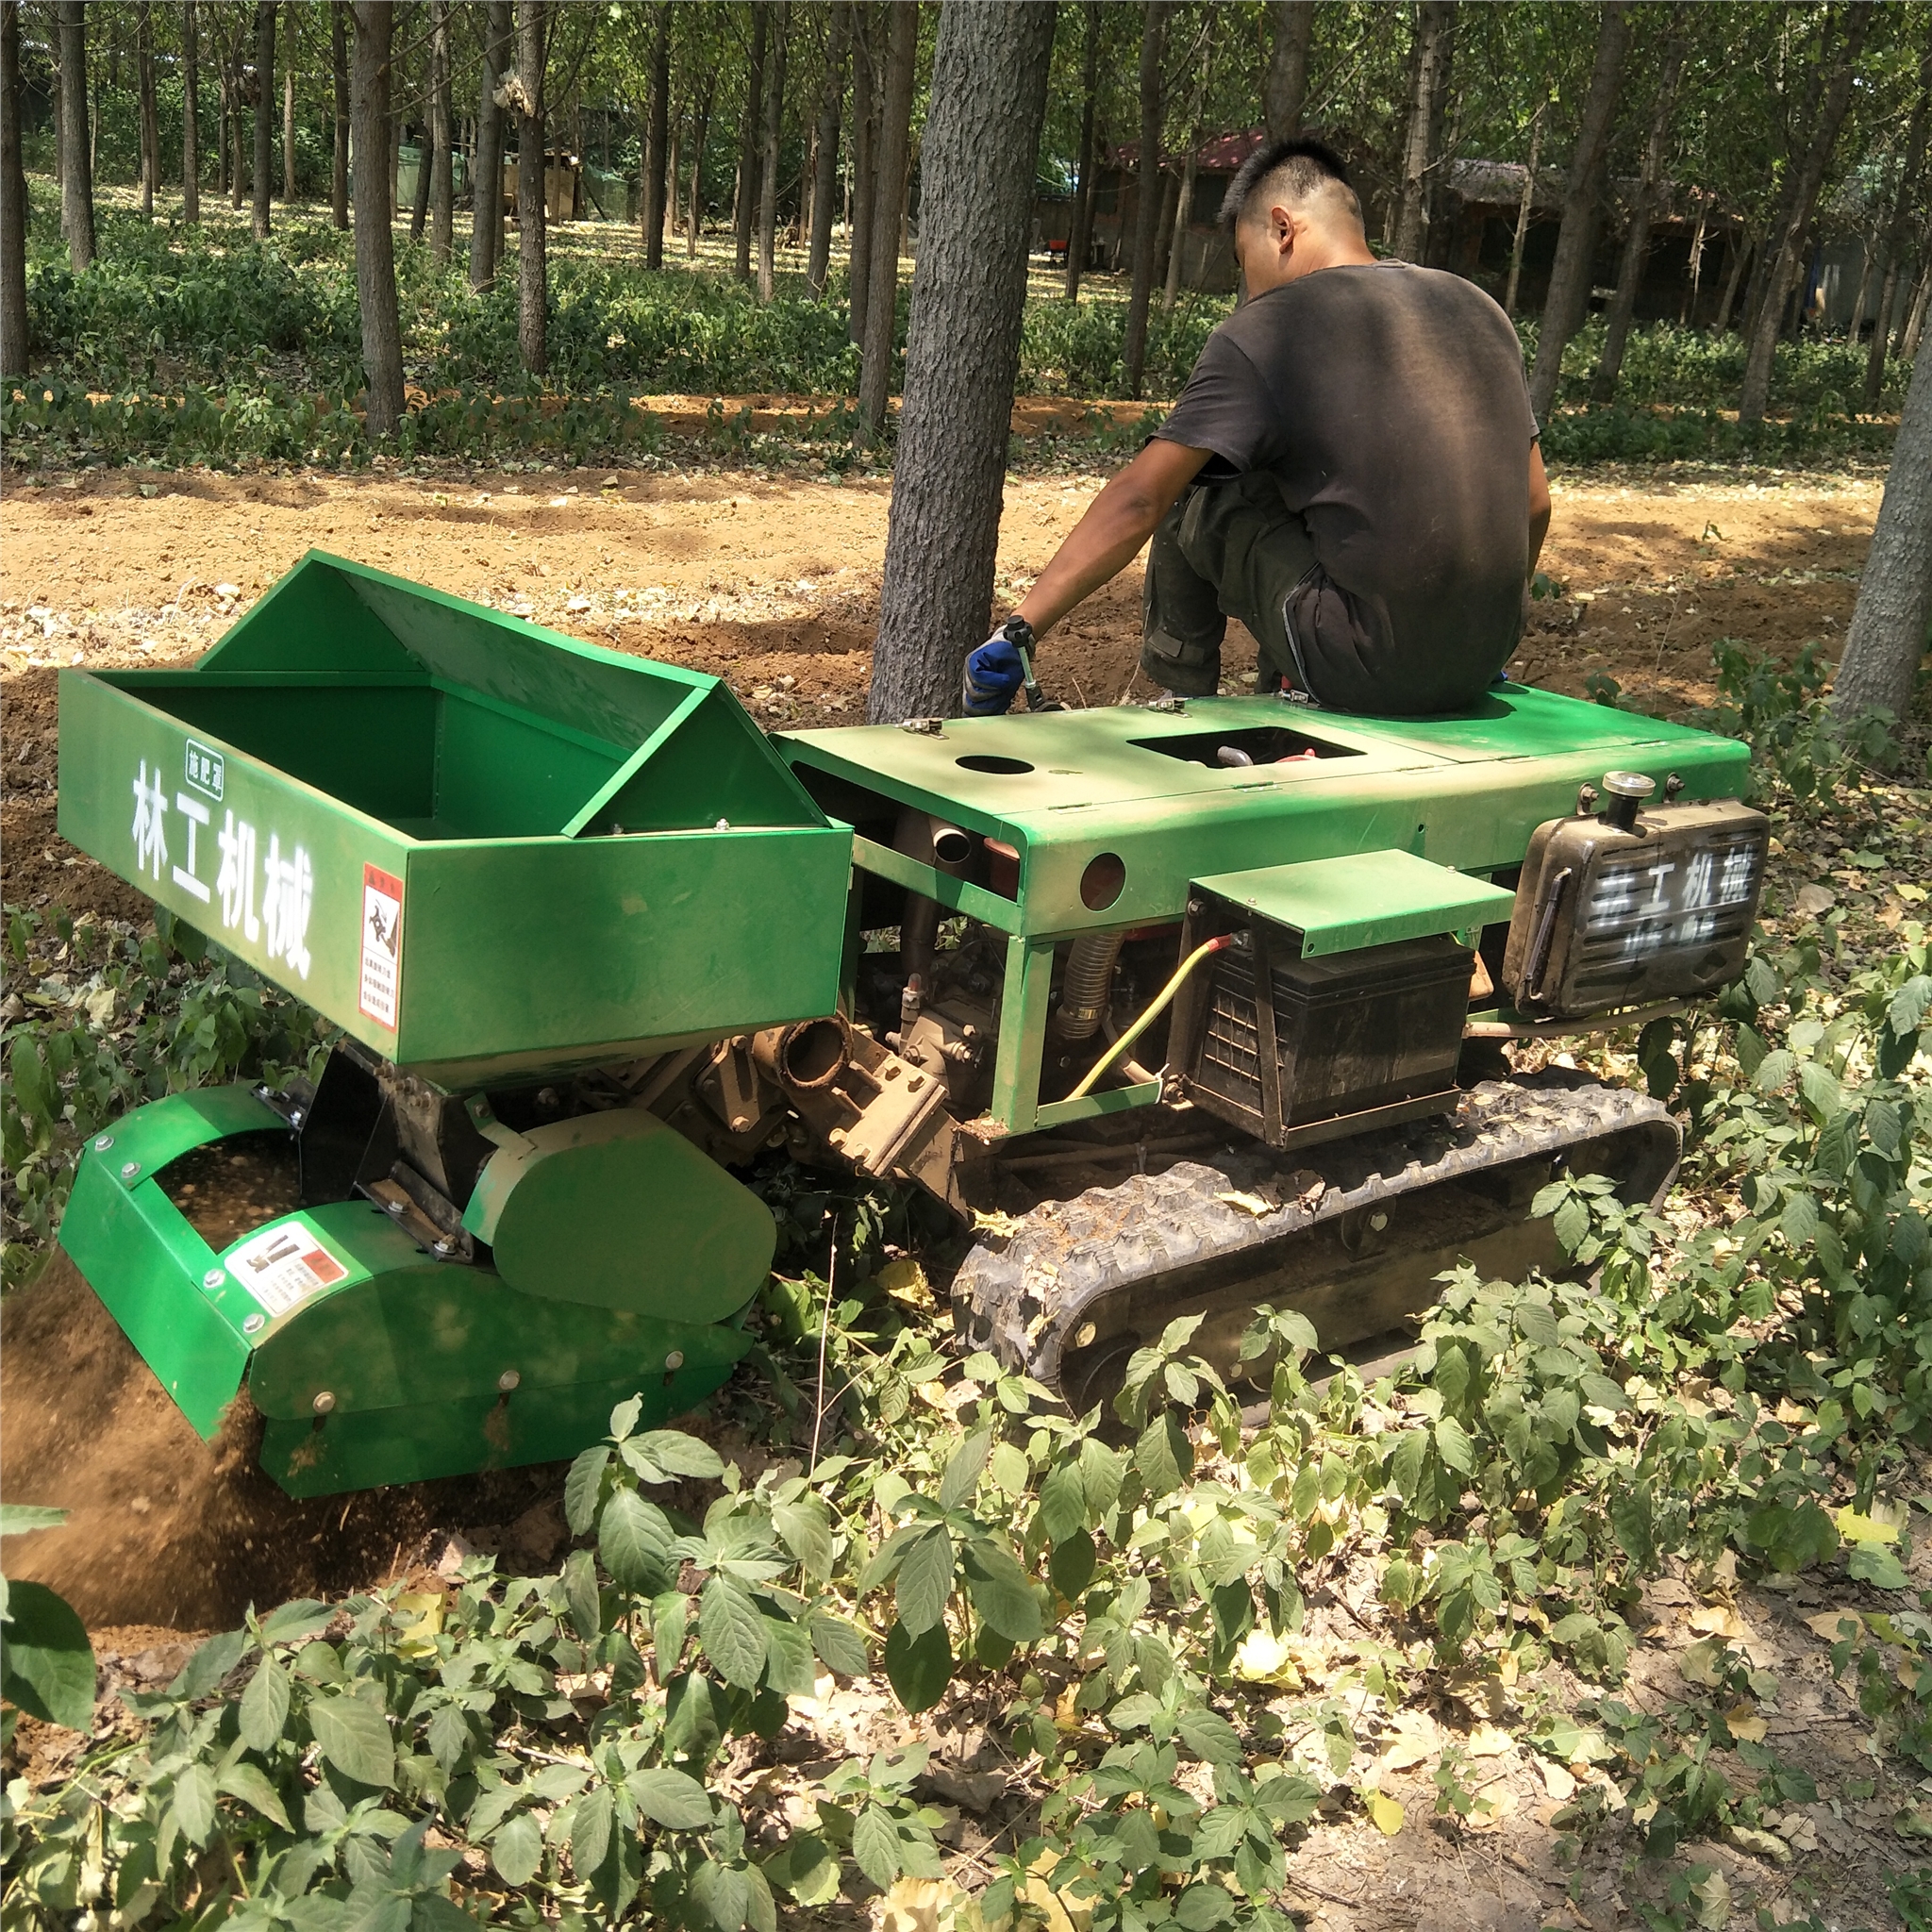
(1066, 786)
(484, 849)
(1373, 899)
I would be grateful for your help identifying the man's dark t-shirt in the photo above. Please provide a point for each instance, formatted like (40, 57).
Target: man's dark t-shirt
(1388, 403)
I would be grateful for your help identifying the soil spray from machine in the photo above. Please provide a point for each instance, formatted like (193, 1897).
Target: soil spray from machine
(1200, 998)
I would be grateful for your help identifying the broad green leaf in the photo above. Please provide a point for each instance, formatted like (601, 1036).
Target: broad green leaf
(1800, 1218)
(924, 1580)
(1883, 1124)
(1000, 1591)
(194, 1802)
(1874, 1564)
(245, 1781)
(1132, 1713)
(354, 1736)
(46, 1662)
(790, 1667)
(670, 1799)
(804, 1526)
(1453, 1446)
(297, 1622)
(1163, 1455)
(1072, 1565)
(662, 1456)
(265, 1707)
(693, 1726)
(732, 1631)
(875, 1845)
(623, 1418)
(670, 1619)
(963, 1468)
(1209, 1735)
(23, 1519)
(1010, 1469)
(1600, 1392)
(1405, 1463)
(1775, 1069)
(1571, 1224)
(1102, 1472)
(448, 1735)
(839, 1646)
(590, 1827)
(580, 1487)
(634, 1539)
(1063, 1502)
(807, 1868)
(517, 1849)
(204, 1670)
(723, 1894)
(919, 1667)
(580, 1593)
(1630, 1519)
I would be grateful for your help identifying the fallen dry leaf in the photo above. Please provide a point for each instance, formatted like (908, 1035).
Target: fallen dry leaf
(1826, 1623)
(1745, 1725)
(1490, 1740)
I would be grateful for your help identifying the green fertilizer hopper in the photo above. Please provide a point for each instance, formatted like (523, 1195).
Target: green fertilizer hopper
(1211, 1000)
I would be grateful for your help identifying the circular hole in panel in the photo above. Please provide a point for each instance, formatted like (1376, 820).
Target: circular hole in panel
(1101, 883)
(989, 762)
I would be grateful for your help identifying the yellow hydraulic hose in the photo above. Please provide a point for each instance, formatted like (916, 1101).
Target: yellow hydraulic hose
(1151, 1014)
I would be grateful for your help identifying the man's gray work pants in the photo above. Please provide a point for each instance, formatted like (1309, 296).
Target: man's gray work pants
(1231, 549)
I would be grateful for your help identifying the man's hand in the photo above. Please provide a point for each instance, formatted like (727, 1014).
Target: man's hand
(993, 676)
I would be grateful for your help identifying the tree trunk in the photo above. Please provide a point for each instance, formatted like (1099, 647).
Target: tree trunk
(190, 104)
(486, 215)
(1147, 177)
(1080, 228)
(1433, 31)
(1523, 208)
(1177, 241)
(701, 126)
(339, 90)
(1689, 311)
(824, 174)
(1914, 323)
(864, 165)
(1164, 241)
(656, 131)
(745, 210)
(768, 167)
(376, 269)
(150, 125)
(962, 354)
(1756, 393)
(442, 184)
(533, 269)
(13, 322)
(261, 180)
(77, 164)
(894, 154)
(1887, 638)
(1569, 291)
(1743, 246)
(1892, 248)
(1287, 85)
(1637, 241)
(289, 112)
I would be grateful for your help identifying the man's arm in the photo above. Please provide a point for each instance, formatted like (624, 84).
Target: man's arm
(1118, 521)
(1539, 505)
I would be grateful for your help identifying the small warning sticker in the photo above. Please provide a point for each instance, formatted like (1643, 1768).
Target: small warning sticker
(382, 946)
(282, 1266)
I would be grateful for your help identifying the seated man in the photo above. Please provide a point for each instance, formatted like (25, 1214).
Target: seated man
(1352, 471)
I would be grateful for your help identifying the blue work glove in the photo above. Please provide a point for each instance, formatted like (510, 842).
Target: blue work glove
(993, 676)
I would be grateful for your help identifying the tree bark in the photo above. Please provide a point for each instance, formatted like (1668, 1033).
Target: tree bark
(1569, 290)
(1887, 638)
(745, 212)
(77, 161)
(824, 174)
(150, 125)
(768, 164)
(1523, 208)
(1147, 179)
(376, 269)
(865, 131)
(1755, 394)
(1914, 323)
(190, 104)
(262, 179)
(1287, 85)
(13, 322)
(1080, 227)
(1892, 248)
(701, 126)
(894, 156)
(657, 136)
(339, 89)
(486, 215)
(1687, 313)
(533, 267)
(1177, 241)
(1637, 241)
(1434, 30)
(1742, 246)
(962, 354)
(442, 184)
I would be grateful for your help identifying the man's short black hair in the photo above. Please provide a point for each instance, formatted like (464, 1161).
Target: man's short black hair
(1292, 170)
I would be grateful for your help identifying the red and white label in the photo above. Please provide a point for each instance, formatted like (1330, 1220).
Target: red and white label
(380, 979)
(282, 1266)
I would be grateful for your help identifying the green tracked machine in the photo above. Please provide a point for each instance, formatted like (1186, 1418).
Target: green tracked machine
(1202, 1002)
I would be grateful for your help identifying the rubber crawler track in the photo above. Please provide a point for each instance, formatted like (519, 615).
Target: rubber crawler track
(1109, 1262)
